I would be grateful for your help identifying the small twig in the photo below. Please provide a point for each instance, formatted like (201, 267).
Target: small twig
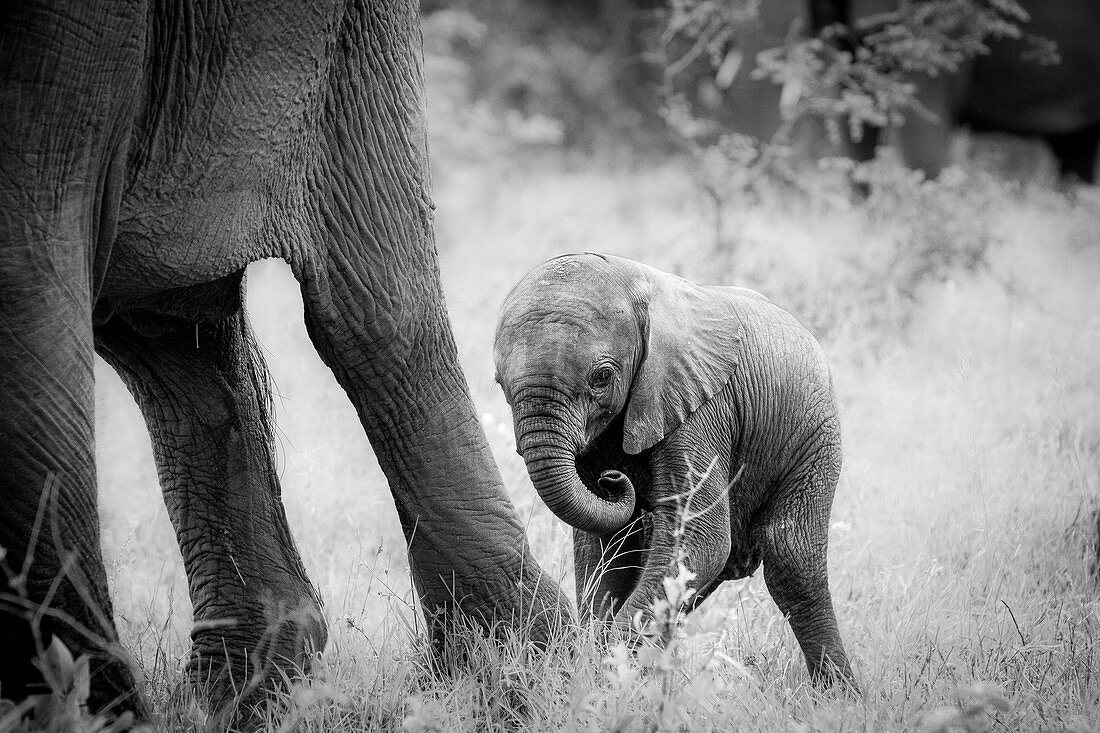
(1023, 641)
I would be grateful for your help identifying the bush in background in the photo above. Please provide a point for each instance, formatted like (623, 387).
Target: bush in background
(521, 75)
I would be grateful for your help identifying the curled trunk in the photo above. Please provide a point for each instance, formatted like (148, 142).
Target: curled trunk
(552, 464)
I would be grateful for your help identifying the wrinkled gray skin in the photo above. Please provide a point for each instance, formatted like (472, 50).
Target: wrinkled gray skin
(150, 151)
(626, 384)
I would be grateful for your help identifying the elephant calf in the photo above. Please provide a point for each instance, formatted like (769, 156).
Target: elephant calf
(637, 394)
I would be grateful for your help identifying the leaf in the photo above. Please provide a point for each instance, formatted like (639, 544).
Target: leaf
(582, 701)
(81, 680)
(11, 715)
(677, 590)
(56, 665)
(623, 723)
(619, 662)
(984, 694)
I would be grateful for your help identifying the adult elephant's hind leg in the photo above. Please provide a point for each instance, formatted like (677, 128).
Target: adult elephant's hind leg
(794, 541)
(203, 392)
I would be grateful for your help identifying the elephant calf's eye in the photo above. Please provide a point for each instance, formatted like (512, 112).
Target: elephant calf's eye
(601, 377)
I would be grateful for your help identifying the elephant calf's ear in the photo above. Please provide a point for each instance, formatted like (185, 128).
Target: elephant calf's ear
(693, 345)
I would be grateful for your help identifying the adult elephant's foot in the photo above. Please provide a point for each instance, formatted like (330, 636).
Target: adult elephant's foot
(238, 664)
(113, 687)
(541, 608)
(525, 604)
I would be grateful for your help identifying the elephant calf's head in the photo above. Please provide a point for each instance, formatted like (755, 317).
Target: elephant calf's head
(584, 338)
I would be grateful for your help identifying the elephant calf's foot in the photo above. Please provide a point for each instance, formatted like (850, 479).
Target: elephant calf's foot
(239, 664)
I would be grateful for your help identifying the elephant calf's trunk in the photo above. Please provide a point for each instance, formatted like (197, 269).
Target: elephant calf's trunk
(553, 471)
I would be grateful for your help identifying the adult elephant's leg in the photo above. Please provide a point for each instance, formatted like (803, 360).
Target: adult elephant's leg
(67, 80)
(794, 535)
(203, 391)
(375, 311)
(607, 569)
(466, 546)
(52, 579)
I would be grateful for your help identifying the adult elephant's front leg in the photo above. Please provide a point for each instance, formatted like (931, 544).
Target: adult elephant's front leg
(375, 312)
(203, 392)
(70, 78)
(467, 549)
(53, 584)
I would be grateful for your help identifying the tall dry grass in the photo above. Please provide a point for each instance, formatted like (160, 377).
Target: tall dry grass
(963, 525)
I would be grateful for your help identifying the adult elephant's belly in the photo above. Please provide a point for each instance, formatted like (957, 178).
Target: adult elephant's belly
(180, 253)
(171, 238)
(221, 149)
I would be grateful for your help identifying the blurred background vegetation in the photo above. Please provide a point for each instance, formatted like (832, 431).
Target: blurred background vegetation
(780, 104)
(624, 80)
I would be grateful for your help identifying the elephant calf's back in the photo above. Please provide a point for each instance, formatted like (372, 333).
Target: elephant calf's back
(785, 401)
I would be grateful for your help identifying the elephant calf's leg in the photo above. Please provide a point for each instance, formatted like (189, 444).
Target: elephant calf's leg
(690, 527)
(204, 397)
(794, 542)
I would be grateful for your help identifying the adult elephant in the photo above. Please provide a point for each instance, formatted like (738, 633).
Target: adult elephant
(150, 151)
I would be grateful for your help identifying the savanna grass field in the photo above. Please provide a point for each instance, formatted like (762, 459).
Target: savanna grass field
(963, 530)
(961, 318)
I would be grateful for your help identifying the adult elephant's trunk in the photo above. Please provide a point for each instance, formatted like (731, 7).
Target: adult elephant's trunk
(552, 464)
